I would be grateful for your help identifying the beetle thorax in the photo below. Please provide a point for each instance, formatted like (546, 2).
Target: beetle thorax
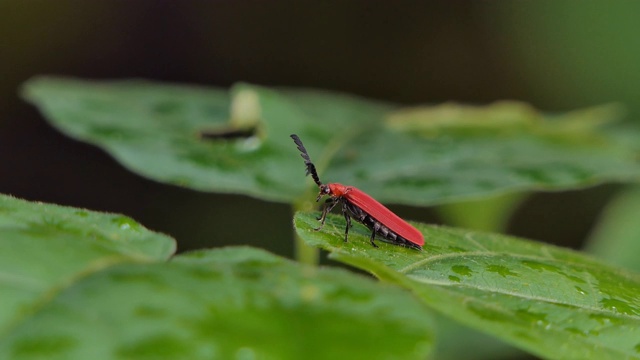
(338, 190)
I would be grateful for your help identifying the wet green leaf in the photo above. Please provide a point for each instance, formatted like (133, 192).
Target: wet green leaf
(418, 156)
(154, 130)
(550, 301)
(76, 284)
(234, 303)
(617, 237)
(44, 248)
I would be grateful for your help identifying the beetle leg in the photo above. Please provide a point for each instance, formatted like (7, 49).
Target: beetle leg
(330, 204)
(348, 219)
(327, 203)
(376, 227)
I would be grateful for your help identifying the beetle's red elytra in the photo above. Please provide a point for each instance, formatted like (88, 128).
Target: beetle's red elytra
(363, 208)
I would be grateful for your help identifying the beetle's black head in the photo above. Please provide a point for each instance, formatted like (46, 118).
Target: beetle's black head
(324, 190)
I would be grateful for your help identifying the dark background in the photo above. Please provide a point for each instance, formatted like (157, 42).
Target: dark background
(556, 55)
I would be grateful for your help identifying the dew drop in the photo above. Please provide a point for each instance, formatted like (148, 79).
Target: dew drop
(618, 306)
(462, 270)
(538, 266)
(602, 319)
(501, 270)
(125, 223)
(576, 331)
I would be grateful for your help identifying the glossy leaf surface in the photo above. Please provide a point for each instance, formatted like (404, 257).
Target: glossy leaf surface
(76, 284)
(421, 156)
(44, 248)
(550, 301)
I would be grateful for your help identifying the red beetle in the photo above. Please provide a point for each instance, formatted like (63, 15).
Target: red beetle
(363, 208)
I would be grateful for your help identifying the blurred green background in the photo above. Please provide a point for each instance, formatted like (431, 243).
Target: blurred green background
(556, 55)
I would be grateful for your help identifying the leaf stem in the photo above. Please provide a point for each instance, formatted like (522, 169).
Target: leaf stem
(304, 253)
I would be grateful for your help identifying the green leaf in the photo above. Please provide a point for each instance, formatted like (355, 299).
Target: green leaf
(550, 301)
(501, 116)
(617, 236)
(154, 130)
(224, 304)
(76, 284)
(44, 248)
(396, 155)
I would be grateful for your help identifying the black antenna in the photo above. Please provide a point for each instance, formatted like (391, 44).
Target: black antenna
(311, 169)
